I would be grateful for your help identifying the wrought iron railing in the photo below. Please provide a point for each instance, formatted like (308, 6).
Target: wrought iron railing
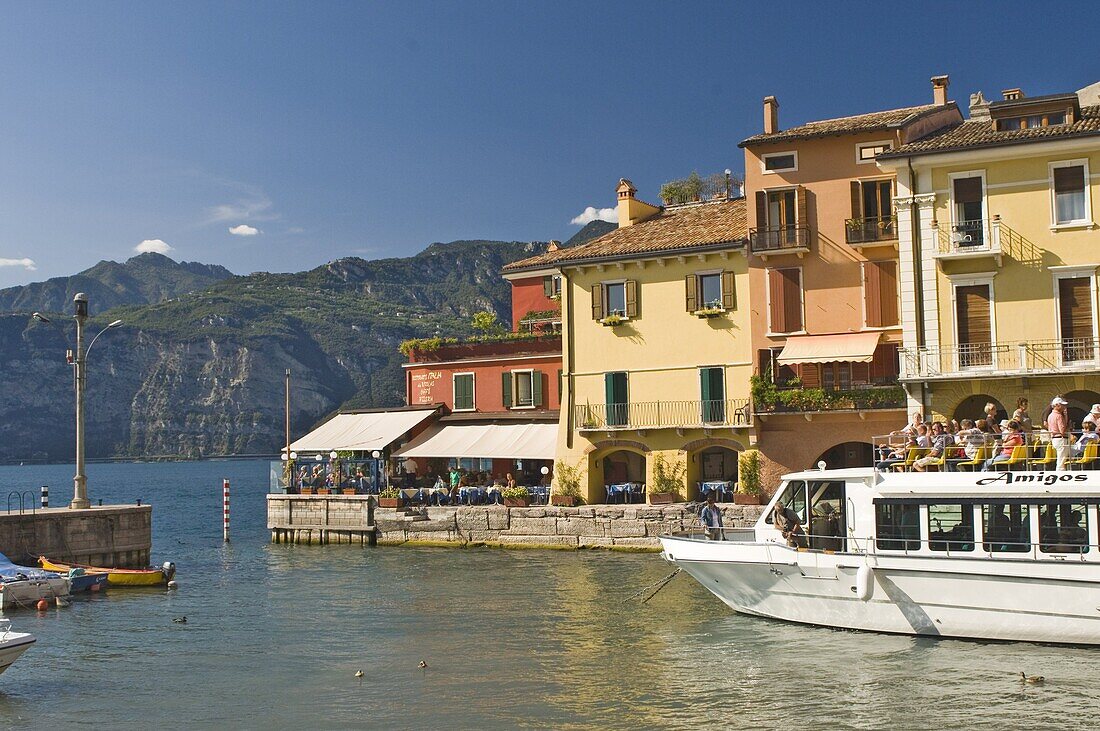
(664, 414)
(777, 238)
(1037, 356)
(870, 230)
(969, 237)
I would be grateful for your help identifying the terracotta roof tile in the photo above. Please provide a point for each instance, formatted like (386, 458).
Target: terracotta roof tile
(847, 125)
(673, 230)
(976, 133)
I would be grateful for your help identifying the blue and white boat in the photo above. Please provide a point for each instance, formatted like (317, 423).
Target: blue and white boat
(23, 586)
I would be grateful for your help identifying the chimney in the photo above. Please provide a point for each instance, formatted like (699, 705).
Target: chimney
(939, 90)
(1012, 94)
(632, 210)
(771, 115)
(553, 246)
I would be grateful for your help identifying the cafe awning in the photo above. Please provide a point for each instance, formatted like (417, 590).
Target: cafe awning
(361, 431)
(485, 441)
(843, 348)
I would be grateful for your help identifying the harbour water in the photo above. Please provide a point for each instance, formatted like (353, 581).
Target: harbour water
(274, 635)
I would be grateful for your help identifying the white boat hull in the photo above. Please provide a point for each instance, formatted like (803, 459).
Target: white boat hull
(12, 645)
(25, 593)
(981, 598)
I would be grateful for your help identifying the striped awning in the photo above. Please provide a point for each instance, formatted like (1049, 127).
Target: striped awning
(485, 441)
(364, 431)
(843, 348)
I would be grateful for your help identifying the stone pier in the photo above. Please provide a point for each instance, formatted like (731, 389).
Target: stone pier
(323, 519)
(108, 535)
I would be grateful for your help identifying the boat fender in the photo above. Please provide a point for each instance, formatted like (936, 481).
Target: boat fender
(865, 583)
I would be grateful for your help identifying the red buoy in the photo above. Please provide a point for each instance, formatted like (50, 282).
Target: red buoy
(42, 605)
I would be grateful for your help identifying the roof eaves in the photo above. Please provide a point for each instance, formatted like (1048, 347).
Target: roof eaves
(655, 253)
(902, 152)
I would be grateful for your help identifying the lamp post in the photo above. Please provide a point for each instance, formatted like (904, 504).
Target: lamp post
(80, 378)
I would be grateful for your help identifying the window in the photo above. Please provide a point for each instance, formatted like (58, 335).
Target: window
(769, 369)
(1031, 120)
(897, 527)
(711, 290)
(551, 286)
(463, 392)
(974, 326)
(880, 293)
(868, 151)
(968, 228)
(521, 389)
(950, 527)
(616, 398)
(827, 526)
(1068, 185)
(1075, 318)
(794, 497)
(1006, 528)
(785, 300)
(778, 162)
(615, 298)
(1063, 528)
(712, 395)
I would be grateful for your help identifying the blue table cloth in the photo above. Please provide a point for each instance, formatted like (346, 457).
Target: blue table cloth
(723, 487)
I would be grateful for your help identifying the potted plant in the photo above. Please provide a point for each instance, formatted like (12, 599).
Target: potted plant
(668, 480)
(710, 309)
(516, 497)
(613, 320)
(389, 498)
(748, 467)
(567, 484)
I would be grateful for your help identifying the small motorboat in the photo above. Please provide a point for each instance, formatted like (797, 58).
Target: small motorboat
(24, 586)
(118, 577)
(81, 582)
(12, 644)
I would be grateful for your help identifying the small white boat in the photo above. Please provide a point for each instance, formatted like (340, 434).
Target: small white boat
(12, 644)
(984, 555)
(21, 587)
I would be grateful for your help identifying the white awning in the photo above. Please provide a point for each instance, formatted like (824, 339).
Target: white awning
(485, 441)
(844, 348)
(361, 432)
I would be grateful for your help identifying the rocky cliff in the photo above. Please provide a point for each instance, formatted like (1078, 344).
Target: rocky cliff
(203, 374)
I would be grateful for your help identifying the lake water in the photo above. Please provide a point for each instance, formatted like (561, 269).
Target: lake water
(512, 639)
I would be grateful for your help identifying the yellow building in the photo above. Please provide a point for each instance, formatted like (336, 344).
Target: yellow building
(656, 352)
(999, 256)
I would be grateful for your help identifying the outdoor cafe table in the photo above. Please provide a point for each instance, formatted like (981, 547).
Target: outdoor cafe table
(723, 487)
(626, 489)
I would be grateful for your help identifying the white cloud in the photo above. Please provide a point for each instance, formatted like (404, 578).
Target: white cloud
(590, 214)
(27, 264)
(243, 230)
(254, 206)
(155, 246)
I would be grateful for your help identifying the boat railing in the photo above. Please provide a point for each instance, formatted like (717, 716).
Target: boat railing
(900, 451)
(981, 547)
(736, 535)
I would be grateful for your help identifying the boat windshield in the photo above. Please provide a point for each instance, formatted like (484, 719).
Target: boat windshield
(819, 505)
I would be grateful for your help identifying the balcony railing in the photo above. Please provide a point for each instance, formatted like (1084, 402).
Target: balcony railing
(871, 230)
(967, 239)
(664, 415)
(778, 239)
(1034, 357)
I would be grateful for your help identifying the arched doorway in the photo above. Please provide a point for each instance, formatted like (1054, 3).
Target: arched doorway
(847, 454)
(712, 464)
(973, 407)
(1080, 403)
(615, 467)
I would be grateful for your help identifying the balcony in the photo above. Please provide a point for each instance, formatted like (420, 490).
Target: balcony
(1037, 358)
(876, 231)
(968, 240)
(772, 240)
(664, 415)
(771, 399)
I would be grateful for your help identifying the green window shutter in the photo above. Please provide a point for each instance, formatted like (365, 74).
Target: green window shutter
(561, 384)
(506, 389)
(464, 392)
(704, 383)
(631, 298)
(536, 389)
(609, 388)
(548, 287)
(597, 301)
(691, 292)
(729, 297)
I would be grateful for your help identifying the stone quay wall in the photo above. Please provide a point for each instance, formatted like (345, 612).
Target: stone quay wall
(622, 527)
(110, 535)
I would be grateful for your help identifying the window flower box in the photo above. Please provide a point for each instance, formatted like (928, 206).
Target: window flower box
(708, 312)
(613, 320)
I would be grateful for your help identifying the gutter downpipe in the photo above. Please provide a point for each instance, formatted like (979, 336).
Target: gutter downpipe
(567, 343)
(918, 277)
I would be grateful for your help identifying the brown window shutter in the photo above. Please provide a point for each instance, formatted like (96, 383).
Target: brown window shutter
(729, 295)
(857, 200)
(792, 299)
(776, 311)
(861, 374)
(800, 204)
(972, 310)
(810, 375)
(888, 292)
(631, 298)
(884, 365)
(968, 190)
(597, 301)
(1075, 303)
(872, 293)
(691, 293)
(1069, 179)
(761, 208)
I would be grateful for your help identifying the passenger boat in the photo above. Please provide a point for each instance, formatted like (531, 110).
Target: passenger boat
(983, 555)
(12, 644)
(24, 586)
(118, 577)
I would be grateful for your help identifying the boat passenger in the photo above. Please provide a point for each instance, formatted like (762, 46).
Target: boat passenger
(787, 523)
(1013, 439)
(1058, 426)
(898, 455)
(711, 518)
(1093, 417)
(991, 416)
(939, 445)
(1088, 436)
(924, 439)
(1021, 415)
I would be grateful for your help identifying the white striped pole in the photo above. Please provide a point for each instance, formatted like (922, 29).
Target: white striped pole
(45, 496)
(225, 510)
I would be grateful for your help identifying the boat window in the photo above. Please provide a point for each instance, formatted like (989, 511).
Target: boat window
(1063, 528)
(897, 527)
(1006, 528)
(950, 527)
(827, 515)
(793, 497)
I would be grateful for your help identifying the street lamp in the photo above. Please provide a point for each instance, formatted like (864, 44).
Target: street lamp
(79, 358)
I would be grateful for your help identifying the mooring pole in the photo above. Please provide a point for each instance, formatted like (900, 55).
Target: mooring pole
(225, 510)
(45, 496)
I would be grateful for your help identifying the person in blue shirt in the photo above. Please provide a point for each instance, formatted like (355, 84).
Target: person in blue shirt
(711, 518)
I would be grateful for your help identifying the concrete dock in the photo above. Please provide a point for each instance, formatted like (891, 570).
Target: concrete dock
(108, 535)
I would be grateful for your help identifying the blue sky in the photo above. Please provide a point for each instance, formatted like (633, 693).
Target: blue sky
(369, 129)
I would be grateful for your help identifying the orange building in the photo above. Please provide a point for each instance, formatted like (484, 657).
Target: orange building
(824, 279)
